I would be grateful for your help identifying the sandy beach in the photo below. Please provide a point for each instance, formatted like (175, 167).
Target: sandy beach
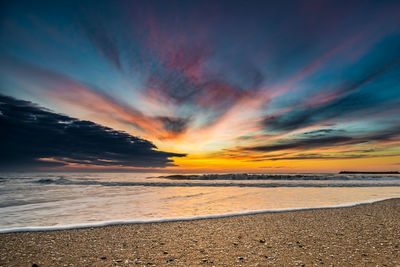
(363, 235)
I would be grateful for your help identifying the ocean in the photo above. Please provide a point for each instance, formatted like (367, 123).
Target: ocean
(42, 201)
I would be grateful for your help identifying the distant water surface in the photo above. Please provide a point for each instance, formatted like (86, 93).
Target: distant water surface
(68, 199)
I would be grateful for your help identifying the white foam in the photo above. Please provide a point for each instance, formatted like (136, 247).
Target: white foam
(110, 223)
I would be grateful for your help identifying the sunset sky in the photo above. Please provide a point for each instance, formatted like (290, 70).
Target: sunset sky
(200, 86)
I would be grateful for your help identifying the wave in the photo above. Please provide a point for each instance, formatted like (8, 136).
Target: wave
(245, 176)
(122, 222)
(63, 181)
(59, 180)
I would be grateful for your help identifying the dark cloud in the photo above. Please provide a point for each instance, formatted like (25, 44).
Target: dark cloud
(305, 142)
(267, 157)
(392, 134)
(321, 156)
(322, 132)
(360, 151)
(349, 102)
(31, 133)
(174, 125)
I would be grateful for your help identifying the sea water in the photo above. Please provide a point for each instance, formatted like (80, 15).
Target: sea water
(38, 201)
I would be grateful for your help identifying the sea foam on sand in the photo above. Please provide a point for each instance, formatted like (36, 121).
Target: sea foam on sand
(120, 222)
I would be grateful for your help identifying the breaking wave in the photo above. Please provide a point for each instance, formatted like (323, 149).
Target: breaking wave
(63, 181)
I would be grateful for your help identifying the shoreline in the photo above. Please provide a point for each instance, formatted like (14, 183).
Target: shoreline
(194, 218)
(359, 235)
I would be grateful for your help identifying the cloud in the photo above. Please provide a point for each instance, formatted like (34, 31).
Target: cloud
(305, 143)
(312, 141)
(321, 156)
(34, 137)
(350, 100)
(174, 125)
(102, 41)
(187, 71)
(65, 90)
(322, 132)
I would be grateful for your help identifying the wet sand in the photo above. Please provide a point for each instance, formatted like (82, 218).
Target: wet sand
(364, 235)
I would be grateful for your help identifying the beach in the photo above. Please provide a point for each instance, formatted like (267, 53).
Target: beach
(362, 235)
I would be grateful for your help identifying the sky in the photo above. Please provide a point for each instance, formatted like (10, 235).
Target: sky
(200, 86)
